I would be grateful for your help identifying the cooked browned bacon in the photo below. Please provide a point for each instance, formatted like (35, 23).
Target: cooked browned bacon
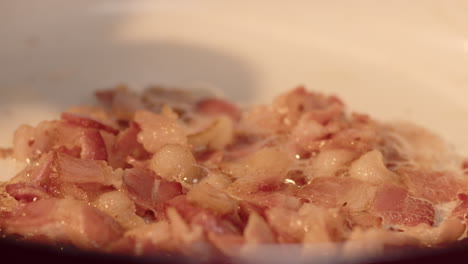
(167, 172)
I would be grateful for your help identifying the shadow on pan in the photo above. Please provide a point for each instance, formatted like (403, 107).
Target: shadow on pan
(21, 252)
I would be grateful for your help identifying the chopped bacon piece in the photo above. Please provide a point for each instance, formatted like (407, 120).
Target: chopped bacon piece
(324, 116)
(127, 140)
(60, 136)
(365, 220)
(74, 152)
(263, 200)
(146, 240)
(87, 122)
(42, 168)
(217, 106)
(93, 146)
(229, 245)
(83, 171)
(461, 211)
(435, 186)
(331, 192)
(30, 142)
(34, 182)
(63, 221)
(126, 145)
(209, 157)
(294, 103)
(26, 192)
(258, 231)
(159, 130)
(397, 207)
(286, 224)
(147, 189)
(202, 217)
(139, 184)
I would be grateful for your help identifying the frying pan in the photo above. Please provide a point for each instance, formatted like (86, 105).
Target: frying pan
(392, 59)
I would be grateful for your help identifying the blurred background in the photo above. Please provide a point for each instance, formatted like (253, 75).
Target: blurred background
(393, 59)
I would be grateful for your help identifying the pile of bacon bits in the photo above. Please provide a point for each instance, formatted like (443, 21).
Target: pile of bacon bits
(168, 172)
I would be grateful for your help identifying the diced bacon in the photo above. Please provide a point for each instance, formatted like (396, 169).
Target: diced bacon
(285, 224)
(451, 229)
(216, 136)
(180, 102)
(23, 140)
(358, 140)
(126, 145)
(217, 106)
(217, 179)
(262, 120)
(34, 182)
(40, 171)
(294, 103)
(139, 184)
(202, 217)
(364, 220)
(167, 190)
(229, 245)
(63, 221)
(93, 146)
(435, 186)
(138, 164)
(146, 240)
(246, 208)
(30, 142)
(190, 237)
(7, 202)
(26, 192)
(127, 140)
(175, 162)
(125, 103)
(205, 195)
(461, 211)
(397, 207)
(96, 112)
(191, 176)
(265, 200)
(336, 191)
(118, 205)
(329, 163)
(74, 151)
(370, 168)
(244, 146)
(256, 172)
(257, 231)
(147, 189)
(87, 122)
(209, 158)
(60, 136)
(83, 171)
(158, 130)
(305, 134)
(325, 116)
(323, 225)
